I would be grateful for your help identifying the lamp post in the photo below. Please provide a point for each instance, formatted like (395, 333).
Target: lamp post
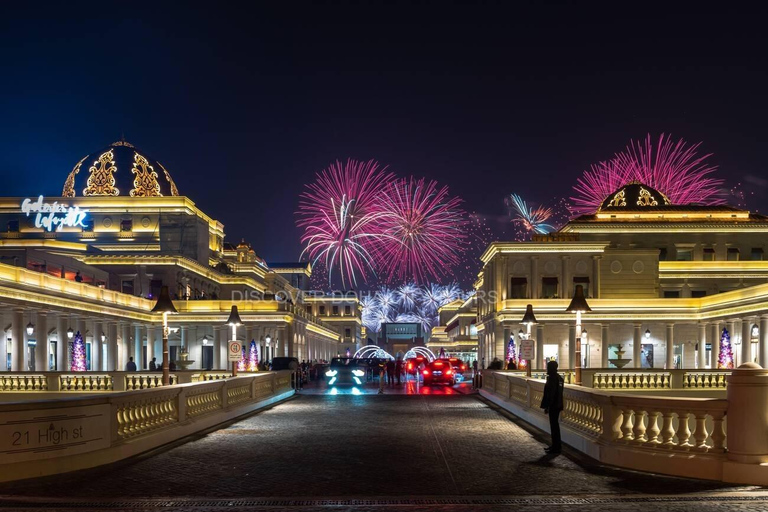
(528, 320)
(233, 321)
(30, 329)
(578, 305)
(267, 348)
(165, 306)
(70, 333)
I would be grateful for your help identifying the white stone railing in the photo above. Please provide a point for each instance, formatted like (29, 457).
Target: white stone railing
(97, 382)
(678, 436)
(44, 437)
(653, 380)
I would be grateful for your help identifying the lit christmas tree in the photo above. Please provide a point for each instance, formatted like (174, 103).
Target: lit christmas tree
(253, 357)
(241, 364)
(78, 353)
(726, 351)
(512, 352)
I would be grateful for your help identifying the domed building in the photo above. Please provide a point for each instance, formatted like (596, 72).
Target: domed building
(97, 257)
(663, 281)
(120, 169)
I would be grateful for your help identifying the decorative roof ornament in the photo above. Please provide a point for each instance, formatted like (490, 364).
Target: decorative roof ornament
(69, 185)
(101, 181)
(619, 199)
(174, 190)
(646, 199)
(145, 184)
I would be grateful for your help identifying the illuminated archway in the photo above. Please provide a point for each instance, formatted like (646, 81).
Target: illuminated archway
(421, 351)
(370, 351)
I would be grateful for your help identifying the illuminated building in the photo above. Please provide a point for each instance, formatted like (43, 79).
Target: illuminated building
(663, 281)
(94, 259)
(457, 329)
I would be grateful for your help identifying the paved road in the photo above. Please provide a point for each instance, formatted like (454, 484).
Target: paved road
(371, 453)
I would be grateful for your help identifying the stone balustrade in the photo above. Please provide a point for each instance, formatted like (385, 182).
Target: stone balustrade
(670, 435)
(95, 382)
(653, 379)
(45, 437)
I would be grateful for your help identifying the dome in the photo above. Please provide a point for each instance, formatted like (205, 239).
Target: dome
(120, 169)
(634, 196)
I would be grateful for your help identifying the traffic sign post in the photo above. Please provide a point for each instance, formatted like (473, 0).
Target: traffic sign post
(235, 351)
(526, 352)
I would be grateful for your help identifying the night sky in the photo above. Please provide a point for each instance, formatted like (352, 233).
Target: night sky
(243, 104)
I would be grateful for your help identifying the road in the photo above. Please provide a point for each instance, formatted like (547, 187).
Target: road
(371, 453)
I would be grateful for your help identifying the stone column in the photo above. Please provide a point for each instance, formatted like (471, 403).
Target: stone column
(150, 345)
(637, 337)
(96, 362)
(534, 277)
(670, 353)
(112, 347)
(184, 336)
(746, 340)
(702, 360)
(138, 346)
(17, 341)
(747, 392)
(62, 343)
(564, 292)
(540, 347)
(126, 346)
(3, 346)
(716, 331)
(506, 342)
(41, 348)
(220, 348)
(596, 276)
(604, 339)
(763, 347)
(732, 331)
(572, 346)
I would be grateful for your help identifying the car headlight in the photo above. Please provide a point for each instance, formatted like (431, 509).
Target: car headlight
(358, 373)
(331, 373)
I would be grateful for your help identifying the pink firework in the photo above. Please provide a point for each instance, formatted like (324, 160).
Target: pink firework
(425, 230)
(672, 168)
(338, 213)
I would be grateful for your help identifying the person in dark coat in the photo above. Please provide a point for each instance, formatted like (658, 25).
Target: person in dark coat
(552, 403)
(130, 366)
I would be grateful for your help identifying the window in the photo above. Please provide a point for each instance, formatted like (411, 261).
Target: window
(126, 225)
(322, 310)
(518, 288)
(663, 254)
(347, 310)
(548, 287)
(733, 254)
(684, 254)
(335, 310)
(126, 286)
(13, 226)
(584, 282)
(671, 294)
(347, 333)
(309, 309)
(708, 254)
(696, 294)
(757, 254)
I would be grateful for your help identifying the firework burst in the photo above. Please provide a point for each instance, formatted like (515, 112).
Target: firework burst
(338, 213)
(532, 220)
(673, 168)
(425, 230)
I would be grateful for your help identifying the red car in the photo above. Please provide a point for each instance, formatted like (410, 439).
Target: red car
(412, 364)
(439, 370)
(458, 365)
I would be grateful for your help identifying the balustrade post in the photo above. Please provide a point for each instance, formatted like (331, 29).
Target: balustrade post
(747, 393)
(701, 434)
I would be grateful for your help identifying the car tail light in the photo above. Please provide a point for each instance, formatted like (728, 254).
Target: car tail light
(449, 372)
(410, 366)
(462, 367)
(425, 372)
(438, 364)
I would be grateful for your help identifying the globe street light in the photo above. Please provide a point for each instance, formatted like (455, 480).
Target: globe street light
(70, 333)
(578, 305)
(233, 321)
(165, 306)
(30, 329)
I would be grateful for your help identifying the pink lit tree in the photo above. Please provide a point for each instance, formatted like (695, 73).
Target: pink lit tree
(512, 352)
(78, 353)
(726, 351)
(241, 363)
(253, 357)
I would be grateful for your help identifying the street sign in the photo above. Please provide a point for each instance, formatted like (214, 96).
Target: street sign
(235, 351)
(526, 350)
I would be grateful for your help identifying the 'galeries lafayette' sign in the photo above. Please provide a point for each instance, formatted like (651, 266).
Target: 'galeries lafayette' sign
(53, 216)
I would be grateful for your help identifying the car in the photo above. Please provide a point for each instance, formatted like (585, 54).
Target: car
(458, 367)
(439, 371)
(285, 363)
(345, 371)
(412, 364)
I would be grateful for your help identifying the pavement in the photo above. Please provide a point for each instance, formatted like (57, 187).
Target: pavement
(372, 453)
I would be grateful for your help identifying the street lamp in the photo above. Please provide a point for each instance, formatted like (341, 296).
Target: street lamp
(165, 306)
(103, 337)
(70, 333)
(647, 334)
(578, 305)
(30, 329)
(267, 342)
(205, 339)
(528, 320)
(233, 321)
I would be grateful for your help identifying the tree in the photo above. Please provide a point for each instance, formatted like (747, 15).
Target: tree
(78, 353)
(241, 363)
(253, 357)
(512, 353)
(726, 351)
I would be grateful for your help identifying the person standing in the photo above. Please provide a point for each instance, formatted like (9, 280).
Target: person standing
(391, 372)
(552, 403)
(153, 364)
(130, 366)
